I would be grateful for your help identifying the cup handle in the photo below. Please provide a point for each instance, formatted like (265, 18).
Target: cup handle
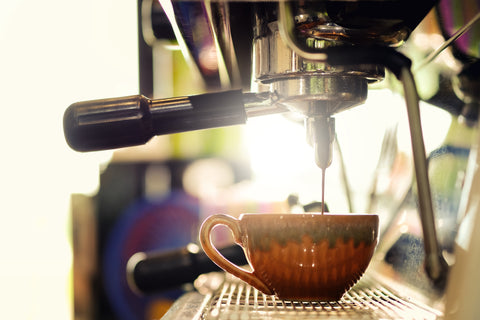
(219, 259)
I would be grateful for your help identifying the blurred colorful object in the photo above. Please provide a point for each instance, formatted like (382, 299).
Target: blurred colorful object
(454, 14)
(147, 225)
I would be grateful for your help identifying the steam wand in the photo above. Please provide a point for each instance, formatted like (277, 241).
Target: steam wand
(435, 264)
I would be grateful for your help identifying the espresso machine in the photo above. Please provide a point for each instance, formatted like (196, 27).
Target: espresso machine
(309, 61)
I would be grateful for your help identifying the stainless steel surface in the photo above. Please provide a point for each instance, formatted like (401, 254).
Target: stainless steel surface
(275, 59)
(237, 300)
(295, 17)
(311, 88)
(321, 95)
(260, 104)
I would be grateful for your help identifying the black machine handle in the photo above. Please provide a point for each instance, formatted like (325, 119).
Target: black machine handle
(133, 120)
(155, 272)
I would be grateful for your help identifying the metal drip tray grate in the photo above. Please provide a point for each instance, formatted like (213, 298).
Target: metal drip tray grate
(237, 300)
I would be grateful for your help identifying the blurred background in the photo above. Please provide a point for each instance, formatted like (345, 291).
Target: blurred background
(53, 54)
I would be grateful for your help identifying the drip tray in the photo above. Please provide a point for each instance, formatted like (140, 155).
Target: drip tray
(236, 300)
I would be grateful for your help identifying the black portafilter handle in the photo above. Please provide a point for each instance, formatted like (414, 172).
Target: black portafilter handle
(134, 120)
(150, 273)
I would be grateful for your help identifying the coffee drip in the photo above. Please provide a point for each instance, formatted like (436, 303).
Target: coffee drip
(323, 191)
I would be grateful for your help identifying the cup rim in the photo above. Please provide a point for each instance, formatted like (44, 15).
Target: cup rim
(312, 214)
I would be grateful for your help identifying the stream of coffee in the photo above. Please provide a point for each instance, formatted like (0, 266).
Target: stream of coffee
(323, 190)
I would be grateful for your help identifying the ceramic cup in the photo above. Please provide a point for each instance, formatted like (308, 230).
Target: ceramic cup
(309, 257)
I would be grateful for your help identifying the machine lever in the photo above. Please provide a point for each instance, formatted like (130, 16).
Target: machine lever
(133, 120)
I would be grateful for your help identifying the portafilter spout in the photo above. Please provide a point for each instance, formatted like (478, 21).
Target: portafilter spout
(321, 134)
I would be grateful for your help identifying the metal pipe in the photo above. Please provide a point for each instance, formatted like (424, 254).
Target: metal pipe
(435, 265)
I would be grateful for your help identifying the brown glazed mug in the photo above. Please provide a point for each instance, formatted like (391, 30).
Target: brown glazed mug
(309, 257)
